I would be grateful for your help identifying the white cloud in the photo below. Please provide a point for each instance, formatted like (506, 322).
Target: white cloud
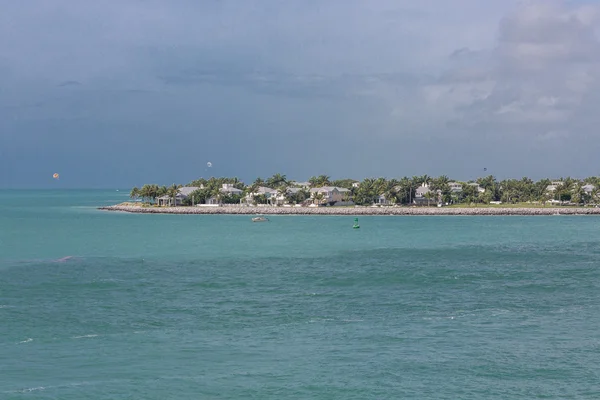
(544, 64)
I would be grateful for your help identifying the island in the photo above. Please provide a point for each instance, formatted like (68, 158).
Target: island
(320, 195)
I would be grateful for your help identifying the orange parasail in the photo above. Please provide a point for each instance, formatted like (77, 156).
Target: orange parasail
(55, 176)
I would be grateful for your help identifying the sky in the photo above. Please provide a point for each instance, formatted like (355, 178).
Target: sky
(122, 93)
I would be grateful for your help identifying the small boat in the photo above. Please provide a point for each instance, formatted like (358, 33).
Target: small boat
(260, 218)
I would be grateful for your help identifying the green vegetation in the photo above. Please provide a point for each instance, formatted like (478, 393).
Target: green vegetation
(421, 190)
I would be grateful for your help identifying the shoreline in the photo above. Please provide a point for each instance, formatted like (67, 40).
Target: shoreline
(353, 211)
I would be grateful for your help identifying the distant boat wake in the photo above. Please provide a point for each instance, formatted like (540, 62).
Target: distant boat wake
(64, 259)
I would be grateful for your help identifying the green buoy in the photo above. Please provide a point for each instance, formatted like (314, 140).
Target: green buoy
(356, 225)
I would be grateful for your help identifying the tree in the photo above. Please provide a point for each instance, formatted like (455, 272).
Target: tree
(198, 196)
(368, 191)
(469, 193)
(579, 196)
(134, 194)
(563, 191)
(344, 183)
(406, 190)
(231, 198)
(430, 195)
(595, 195)
(391, 191)
(217, 194)
(319, 181)
(318, 197)
(283, 191)
(276, 181)
(300, 196)
(172, 193)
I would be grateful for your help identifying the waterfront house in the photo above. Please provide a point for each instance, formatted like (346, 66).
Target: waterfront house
(455, 187)
(182, 194)
(229, 189)
(381, 200)
(476, 186)
(281, 198)
(262, 190)
(226, 190)
(331, 194)
(422, 195)
(588, 189)
(553, 186)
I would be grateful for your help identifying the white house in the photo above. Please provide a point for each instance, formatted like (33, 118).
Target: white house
(381, 200)
(479, 188)
(280, 198)
(455, 187)
(227, 190)
(553, 186)
(331, 194)
(182, 194)
(262, 190)
(588, 189)
(421, 195)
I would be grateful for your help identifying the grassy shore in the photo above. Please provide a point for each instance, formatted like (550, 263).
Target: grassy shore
(453, 210)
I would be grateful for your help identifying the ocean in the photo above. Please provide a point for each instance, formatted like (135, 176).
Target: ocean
(106, 305)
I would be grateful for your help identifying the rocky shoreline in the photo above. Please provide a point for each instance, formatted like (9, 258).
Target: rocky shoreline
(353, 211)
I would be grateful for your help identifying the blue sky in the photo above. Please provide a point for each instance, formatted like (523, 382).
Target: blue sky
(121, 93)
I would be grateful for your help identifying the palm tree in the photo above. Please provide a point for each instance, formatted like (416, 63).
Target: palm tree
(258, 182)
(172, 193)
(579, 195)
(318, 197)
(595, 195)
(430, 195)
(443, 179)
(277, 180)
(283, 191)
(406, 190)
(217, 194)
(157, 191)
(147, 192)
(134, 194)
(391, 193)
(323, 180)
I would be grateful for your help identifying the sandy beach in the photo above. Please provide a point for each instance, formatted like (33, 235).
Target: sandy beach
(249, 210)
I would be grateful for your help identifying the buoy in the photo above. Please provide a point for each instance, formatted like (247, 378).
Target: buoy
(356, 225)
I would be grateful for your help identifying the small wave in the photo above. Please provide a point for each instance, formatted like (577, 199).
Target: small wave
(40, 388)
(312, 320)
(83, 336)
(320, 319)
(26, 341)
(63, 259)
(35, 389)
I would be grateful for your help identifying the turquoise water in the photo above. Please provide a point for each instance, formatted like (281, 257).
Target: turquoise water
(216, 307)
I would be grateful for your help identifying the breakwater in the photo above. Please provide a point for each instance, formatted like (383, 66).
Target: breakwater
(249, 210)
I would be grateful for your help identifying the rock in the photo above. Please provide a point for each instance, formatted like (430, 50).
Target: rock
(357, 211)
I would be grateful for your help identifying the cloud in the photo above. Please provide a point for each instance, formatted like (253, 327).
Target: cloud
(391, 83)
(69, 83)
(545, 64)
